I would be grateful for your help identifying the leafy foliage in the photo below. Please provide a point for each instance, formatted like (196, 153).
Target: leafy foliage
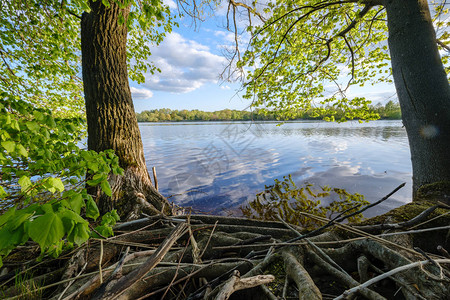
(43, 177)
(43, 169)
(40, 48)
(309, 53)
(286, 200)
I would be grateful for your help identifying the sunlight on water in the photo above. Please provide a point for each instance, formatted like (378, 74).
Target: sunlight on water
(217, 166)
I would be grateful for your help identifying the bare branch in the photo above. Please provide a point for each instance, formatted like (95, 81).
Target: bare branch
(440, 43)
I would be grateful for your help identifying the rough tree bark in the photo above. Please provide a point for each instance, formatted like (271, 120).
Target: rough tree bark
(423, 90)
(111, 118)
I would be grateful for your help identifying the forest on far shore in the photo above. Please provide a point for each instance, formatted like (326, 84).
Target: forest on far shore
(390, 111)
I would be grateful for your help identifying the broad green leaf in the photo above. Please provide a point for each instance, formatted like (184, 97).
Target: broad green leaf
(91, 208)
(79, 234)
(104, 230)
(21, 150)
(106, 188)
(55, 184)
(32, 126)
(7, 215)
(9, 146)
(46, 230)
(2, 195)
(9, 239)
(19, 218)
(76, 203)
(25, 183)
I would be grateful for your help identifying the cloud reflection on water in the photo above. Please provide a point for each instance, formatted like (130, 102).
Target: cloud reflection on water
(224, 164)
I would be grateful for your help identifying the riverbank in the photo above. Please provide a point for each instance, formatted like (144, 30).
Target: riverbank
(213, 257)
(389, 111)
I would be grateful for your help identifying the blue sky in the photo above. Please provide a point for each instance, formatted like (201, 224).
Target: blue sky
(191, 61)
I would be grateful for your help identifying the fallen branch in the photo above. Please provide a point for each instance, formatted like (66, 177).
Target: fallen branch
(127, 281)
(236, 283)
(386, 275)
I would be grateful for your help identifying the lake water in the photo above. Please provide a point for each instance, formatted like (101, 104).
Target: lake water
(217, 166)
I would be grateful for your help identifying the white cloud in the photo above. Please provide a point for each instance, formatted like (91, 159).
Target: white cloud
(225, 87)
(171, 4)
(225, 35)
(185, 64)
(140, 93)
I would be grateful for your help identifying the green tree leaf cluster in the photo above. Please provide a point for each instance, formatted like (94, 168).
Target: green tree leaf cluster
(309, 53)
(44, 171)
(43, 178)
(41, 54)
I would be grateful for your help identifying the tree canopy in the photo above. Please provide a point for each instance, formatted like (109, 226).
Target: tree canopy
(44, 168)
(309, 54)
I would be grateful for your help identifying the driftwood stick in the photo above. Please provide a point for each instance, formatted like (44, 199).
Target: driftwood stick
(195, 250)
(209, 240)
(155, 178)
(443, 251)
(417, 219)
(388, 274)
(408, 289)
(94, 283)
(100, 262)
(307, 289)
(70, 283)
(344, 278)
(288, 225)
(325, 256)
(362, 233)
(338, 242)
(259, 268)
(228, 287)
(372, 204)
(127, 281)
(235, 283)
(285, 287)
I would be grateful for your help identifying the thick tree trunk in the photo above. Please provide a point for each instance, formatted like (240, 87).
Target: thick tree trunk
(423, 90)
(110, 113)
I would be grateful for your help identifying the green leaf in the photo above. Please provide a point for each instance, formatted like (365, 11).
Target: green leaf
(106, 3)
(32, 126)
(2, 194)
(55, 184)
(104, 230)
(21, 150)
(46, 230)
(7, 215)
(25, 183)
(91, 208)
(19, 218)
(9, 146)
(79, 234)
(76, 203)
(106, 188)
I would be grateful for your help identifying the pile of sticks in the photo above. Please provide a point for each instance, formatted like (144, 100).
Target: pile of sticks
(214, 257)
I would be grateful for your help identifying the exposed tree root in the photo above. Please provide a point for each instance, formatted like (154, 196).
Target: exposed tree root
(209, 257)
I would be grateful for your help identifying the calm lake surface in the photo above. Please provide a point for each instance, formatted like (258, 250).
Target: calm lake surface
(217, 166)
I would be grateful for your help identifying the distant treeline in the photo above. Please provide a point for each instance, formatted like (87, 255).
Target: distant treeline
(389, 111)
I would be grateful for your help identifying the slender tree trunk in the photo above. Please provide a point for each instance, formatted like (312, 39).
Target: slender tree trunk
(111, 118)
(423, 90)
